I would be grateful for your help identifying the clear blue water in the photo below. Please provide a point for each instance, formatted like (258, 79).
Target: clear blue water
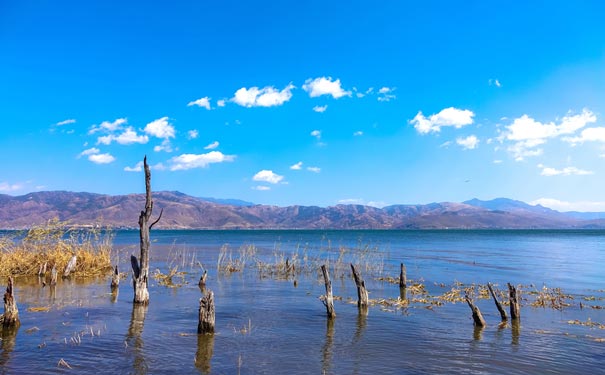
(266, 325)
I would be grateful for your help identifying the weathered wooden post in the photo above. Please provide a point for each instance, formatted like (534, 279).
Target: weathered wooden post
(115, 279)
(515, 307)
(141, 269)
(362, 293)
(498, 304)
(477, 317)
(328, 301)
(402, 276)
(10, 318)
(206, 314)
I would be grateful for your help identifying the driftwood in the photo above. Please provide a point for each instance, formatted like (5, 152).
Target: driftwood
(328, 300)
(498, 304)
(115, 279)
(362, 292)
(402, 276)
(71, 266)
(140, 267)
(10, 318)
(206, 314)
(477, 317)
(515, 306)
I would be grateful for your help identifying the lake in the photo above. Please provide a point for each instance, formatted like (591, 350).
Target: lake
(272, 323)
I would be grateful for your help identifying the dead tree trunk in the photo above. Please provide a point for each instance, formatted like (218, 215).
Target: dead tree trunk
(53, 275)
(402, 277)
(498, 304)
(515, 306)
(10, 318)
(206, 314)
(202, 282)
(140, 268)
(362, 292)
(477, 317)
(328, 301)
(115, 279)
(71, 266)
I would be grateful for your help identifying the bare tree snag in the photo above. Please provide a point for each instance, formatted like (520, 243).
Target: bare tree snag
(10, 318)
(71, 266)
(202, 282)
(328, 300)
(402, 276)
(515, 306)
(115, 279)
(53, 275)
(498, 304)
(206, 314)
(140, 267)
(362, 292)
(477, 317)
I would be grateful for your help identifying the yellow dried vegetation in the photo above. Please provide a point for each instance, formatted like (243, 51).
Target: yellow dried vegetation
(54, 244)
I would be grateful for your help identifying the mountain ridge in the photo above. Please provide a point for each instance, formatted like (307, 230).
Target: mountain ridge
(182, 211)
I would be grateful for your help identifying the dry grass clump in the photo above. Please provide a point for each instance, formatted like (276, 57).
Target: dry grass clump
(228, 263)
(54, 244)
(551, 297)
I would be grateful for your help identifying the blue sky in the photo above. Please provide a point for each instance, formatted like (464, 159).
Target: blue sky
(307, 102)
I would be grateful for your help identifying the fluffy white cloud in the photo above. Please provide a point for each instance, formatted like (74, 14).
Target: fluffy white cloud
(567, 171)
(220, 103)
(129, 136)
(137, 168)
(563, 206)
(494, 82)
(446, 117)
(316, 134)
(265, 97)
(107, 126)
(325, 86)
(190, 161)
(358, 133)
(6, 187)
(90, 151)
(66, 122)
(314, 169)
(385, 94)
(160, 128)
(268, 176)
(261, 188)
(588, 135)
(297, 166)
(165, 146)
(320, 109)
(201, 102)
(212, 146)
(468, 143)
(192, 134)
(101, 158)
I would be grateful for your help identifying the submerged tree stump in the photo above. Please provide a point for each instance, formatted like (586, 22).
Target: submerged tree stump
(362, 292)
(140, 267)
(402, 276)
(328, 300)
(115, 279)
(10, 318)
(71, 266)
(515, 306)
(498, 304)
(206, 314)
(477, 317)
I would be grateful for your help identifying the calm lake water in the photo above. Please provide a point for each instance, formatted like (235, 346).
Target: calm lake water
(270, 325)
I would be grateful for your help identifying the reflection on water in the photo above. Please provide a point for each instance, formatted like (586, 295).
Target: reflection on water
(478, 332)
(326, 359)
(7, 344)
(516, 331)
(205, 349)
(134, 338)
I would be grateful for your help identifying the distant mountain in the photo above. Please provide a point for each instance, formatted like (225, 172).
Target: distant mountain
(182, 211)
(585, 215)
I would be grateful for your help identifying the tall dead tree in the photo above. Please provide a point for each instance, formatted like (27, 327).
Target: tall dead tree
(140, 267)
(10, 318)
(362, 292)
(328, 300)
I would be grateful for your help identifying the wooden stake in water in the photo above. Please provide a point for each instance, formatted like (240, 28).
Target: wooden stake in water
(328, 301)
(402, 277)
(10, 318)
(115, 279)
(498, 304)
(515, 306)
(206, 314)
(362, 293)
(477, 317)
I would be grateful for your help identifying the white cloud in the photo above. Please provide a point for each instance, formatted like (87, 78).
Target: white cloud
(90, 151)
(7, 187)
(588, 135)
(320, 109)
(66, 122)
(362, 202)
(212, 146)
(316, 134)
(220, 103)
(567, 171)
(314, 169)
(137, 168)
(297, 166)
(469, 143)
(497, 161)
(261, 188)
(494, 82)
(165, 146)
(268, 176)
(385, 94)
(160, 128)
(563, 206)
(129, 136)
(447, 117)
(522, 150)
(325, 86)
(101, 158)
(201, 102)
(192, 134)
(265, 97)
(358, 133)
(107, 126)
(190, 161)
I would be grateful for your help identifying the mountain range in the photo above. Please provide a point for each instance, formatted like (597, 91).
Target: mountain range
(182, 211)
